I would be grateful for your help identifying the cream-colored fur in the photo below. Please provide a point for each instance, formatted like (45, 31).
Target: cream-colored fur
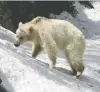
(53, 35)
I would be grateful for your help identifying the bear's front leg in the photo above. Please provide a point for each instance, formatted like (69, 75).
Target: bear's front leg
(50, 48)
(36, 51)
(52, 57)
(52, 61)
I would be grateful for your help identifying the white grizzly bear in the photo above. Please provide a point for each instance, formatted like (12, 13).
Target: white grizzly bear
(53, 35)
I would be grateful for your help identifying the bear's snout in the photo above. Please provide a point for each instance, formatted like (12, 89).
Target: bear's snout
(16, 45)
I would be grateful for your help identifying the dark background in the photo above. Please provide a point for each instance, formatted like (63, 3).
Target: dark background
(12, 12)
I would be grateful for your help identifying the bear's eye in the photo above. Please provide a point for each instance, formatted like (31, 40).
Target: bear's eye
(21, 38)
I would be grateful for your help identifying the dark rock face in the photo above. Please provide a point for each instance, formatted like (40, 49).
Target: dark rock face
(2, 89)
(11, 13)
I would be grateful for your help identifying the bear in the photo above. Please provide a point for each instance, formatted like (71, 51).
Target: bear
(54, 35)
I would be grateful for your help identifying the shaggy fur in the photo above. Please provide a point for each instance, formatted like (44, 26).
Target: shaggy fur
(53, 35)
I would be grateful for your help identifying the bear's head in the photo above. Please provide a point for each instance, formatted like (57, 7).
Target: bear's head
(23, 33)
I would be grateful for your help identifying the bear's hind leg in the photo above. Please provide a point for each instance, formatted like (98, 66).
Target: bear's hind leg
(76, 62)
(79, 69)
(74, 72)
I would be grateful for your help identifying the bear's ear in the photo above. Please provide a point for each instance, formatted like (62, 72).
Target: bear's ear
(20, 24)
(29, 32)
(31, 29)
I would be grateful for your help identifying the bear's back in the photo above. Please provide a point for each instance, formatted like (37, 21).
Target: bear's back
(68, 26)
(57, 25)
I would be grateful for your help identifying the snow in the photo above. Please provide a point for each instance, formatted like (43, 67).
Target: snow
(22, 73)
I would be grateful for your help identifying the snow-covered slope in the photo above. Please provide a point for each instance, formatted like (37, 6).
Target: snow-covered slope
(21, 73)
